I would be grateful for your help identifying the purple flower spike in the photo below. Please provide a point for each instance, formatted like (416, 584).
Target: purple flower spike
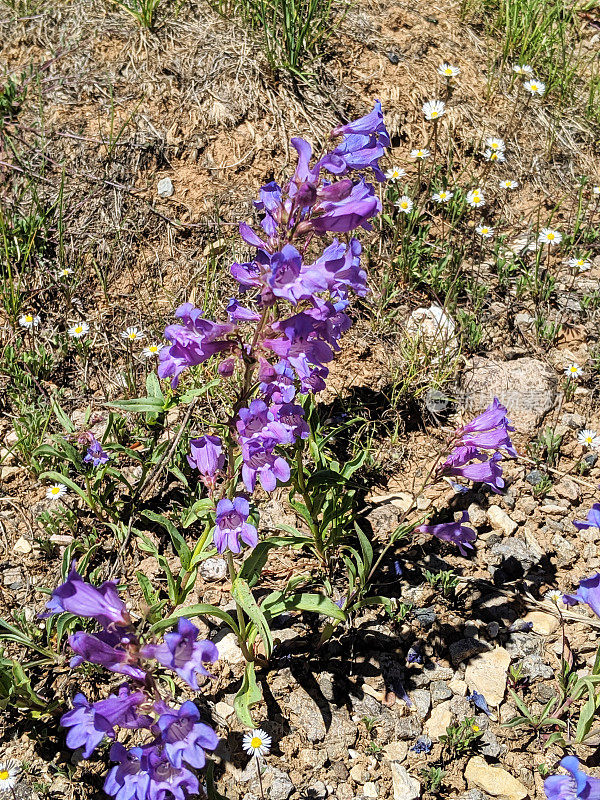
(186, 738)
(232, 526)
(574, 786)
(182, 653)
(592, 520)
(101, 603)
(107, 649)
(206, 455)
(455, 532)
(489, 431)
(588, 593)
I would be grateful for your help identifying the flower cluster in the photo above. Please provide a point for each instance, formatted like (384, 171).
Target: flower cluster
(163, 766)
(281, 340)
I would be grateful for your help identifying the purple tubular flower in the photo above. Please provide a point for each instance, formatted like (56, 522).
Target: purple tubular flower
(185, 738)
(456, 532)
(166, 781)
(422, 745)
(277, 383)
(588, 592)
(232, 526)
(292, 417)
(206, 455)
(592, 520)
(363, 145)
(240, 313)
(95, 454)
(574, 786)
(101, 603)
(258, 423)
(87, 728)
(129, 780)
(120, 709)
(261, 462)
(479, 701)
(182, 653)
(488, 431)
(343, 207)
(107, 649)
(472, 464)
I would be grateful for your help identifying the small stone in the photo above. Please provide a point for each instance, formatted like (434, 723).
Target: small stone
(22, 546)
(554, 510)
(473, 794)
(425, 616)
(228, 648)
(440, 719)
(224, 710)
(493, 629)
(591, 459)
(533, 667)
(523, 643)
(544, 624)
(534, 477)
(370, 789)
(458, 686)
(344, 792)
(512, 556)
(486, 673)
(395, 751)
(567, 488)
(573, 420)
(405, 786)
(489, 745)
(393, 57)
(165, 187)
(309, 715)
(422, 700)
(318, 791)
(440, 691)
(408, 727)
(213, 569)
(477, 515)
(281, 786)
(466, 648)
(494, 780)
(358, 773)
(500, 521)
(566, 552)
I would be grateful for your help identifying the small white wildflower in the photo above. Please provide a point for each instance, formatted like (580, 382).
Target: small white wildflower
(494, 155)
(448, 71)
(422, 152)
(589, 439)
(573, 371)
(581, 264)
(443, 196)
(495, 143)
(553, 596)
(535, 87)
(485, 231)
(549, 236)
(56, 491)
(596, 190)
(475, 198)
(395, 173)
(29, 321)
(79, 330)
(151, 350)
(404, 204)
(523, 69)
(434, 109)
(508, 184)
(64, 273)
(9, 771)
(132, 334)
(257, 743)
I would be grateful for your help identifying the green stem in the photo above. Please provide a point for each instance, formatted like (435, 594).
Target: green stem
(314, 525)
(240, 614)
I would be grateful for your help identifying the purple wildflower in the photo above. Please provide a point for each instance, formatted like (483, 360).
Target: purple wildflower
(110, 650)
(101, 603)
(206, 455)
(489, 430)
(167, 781)
(342, 207)
(277, 383)
(260, 462)
(363, 145)
(182, 653)
(232, 526)
(185, 738)
(422, 745)
(588, 592)
(129, 780)
(574, 786)
(95, 454)
(592, 520)
(479, 701)
(456, 532)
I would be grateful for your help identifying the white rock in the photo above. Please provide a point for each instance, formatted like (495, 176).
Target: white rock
(405, 786)
(496, 781)
(500, 521)
(228, 648)
(458, 687)
(224, 709)
(439, 720)
(486, 672)
(370, 789)
(433, 327)
(22, 546)
(165, 187)
(395, 751)
(543, 623)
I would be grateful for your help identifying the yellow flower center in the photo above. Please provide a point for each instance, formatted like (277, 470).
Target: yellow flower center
(54, 490)
(255, 742)
(550, 236)
(434, 114)
(3, 775)
(153, 348)
(28, 318)
(475, 728)
(448, 71)
(78, 329)
(534, 87)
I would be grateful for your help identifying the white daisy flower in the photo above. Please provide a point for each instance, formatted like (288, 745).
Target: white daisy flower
(573, 371)
(495, 143)
(523, 69)
(79, 330)
(9, 771)
(404, 204)
(443, 196)
(423, 152)
(485, 231)
(589, 439)
(151, 350)
(494, 155)
(64, 273)
(582, 264)
(434, 109)
(395, 173)
(596, 190)
(508, 184)
(553, 596)
(257, 743)
(549, 237)
(535, 87)
(132, 334)
(448, 71)
(475, 198)
(56, 491)
(29, 321)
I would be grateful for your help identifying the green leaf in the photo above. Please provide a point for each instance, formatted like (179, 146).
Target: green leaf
(201, 509)
(365, 546)
(247, 697)
(252, 566)
(153, 386)
(376, 600)
(197, 610)
(586, 717)
(277, 603)
(150, 595)
(56, 477)
(244, 597)
(193, 393)
(139, 405)
(179, 543)
(61, 416)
